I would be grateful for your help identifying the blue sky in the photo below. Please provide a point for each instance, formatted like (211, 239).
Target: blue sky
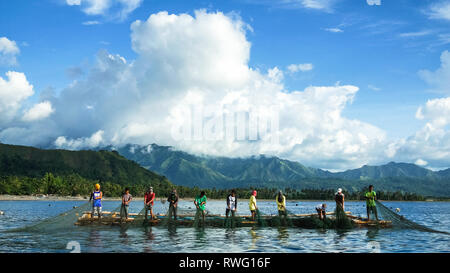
(378, 48)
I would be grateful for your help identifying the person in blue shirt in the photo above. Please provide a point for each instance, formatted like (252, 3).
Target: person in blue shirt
(97, 196)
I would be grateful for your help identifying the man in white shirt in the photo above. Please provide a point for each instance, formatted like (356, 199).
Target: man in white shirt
(231, 204)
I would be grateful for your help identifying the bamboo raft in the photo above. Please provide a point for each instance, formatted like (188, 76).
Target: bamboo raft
(216, 220)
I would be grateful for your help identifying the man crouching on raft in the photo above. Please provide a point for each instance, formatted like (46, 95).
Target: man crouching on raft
(321, 210)
(96, 196)
(371, 196)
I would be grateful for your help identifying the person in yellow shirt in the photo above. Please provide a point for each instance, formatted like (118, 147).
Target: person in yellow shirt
(281, 204)
(252, 205)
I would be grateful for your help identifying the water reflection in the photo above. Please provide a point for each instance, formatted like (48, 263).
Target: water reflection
(372, 233)
(149, 237)
(230, 235)
(95, 243)
(283, 235)
(255, 237)
(124, 235)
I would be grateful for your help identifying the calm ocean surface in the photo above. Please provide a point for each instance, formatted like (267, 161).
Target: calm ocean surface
(181, 239)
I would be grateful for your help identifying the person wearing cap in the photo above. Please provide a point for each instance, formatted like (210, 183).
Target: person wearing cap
(252, 205)
(339, 197)
(149, 198)
(96, 196)
(321, 210)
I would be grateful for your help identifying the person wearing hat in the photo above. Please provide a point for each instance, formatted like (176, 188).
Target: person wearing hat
(340, 199)
(252, 205)
(96, 196)
(149, 199)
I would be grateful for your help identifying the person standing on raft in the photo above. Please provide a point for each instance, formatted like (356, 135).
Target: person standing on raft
(252, 205)
(173, 203)
(126, 199)
(339, 198)
(96, 196)
(200, 203)
(371, 196)
(281, 204)
(231, 204)
(149, 198)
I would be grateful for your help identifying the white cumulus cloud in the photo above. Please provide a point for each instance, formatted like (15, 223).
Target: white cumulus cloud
(8, 52)
(84, 142)
(14, 89)
(38, 111)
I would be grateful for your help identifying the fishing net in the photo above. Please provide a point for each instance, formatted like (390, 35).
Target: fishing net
(62, 221)
(198, 219)
(399, 221)
(260, 218)
(281, 220)
(342, 221)
(232, 221)
(169, 217)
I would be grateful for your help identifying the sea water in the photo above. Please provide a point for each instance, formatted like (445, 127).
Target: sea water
(245, 239)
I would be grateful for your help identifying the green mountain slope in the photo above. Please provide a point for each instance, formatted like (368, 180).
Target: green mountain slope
(391, 169)
(103, 166)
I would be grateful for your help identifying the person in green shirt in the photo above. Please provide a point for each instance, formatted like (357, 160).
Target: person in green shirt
(200, 203)
(371, 196)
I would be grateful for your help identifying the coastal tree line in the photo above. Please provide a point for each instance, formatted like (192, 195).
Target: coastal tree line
(75, 185)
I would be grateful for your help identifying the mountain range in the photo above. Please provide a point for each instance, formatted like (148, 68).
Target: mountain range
(191, 170)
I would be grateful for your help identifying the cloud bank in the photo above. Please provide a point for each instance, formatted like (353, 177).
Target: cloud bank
(187, 63)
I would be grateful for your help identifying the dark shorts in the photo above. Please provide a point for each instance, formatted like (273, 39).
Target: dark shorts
(372, 209)
(282, 212)
(252, 211)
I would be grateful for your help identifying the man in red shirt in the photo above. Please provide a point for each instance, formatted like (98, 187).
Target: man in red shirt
(149, 198)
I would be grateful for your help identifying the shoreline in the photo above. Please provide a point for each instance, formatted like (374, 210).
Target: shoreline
(42, 197)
